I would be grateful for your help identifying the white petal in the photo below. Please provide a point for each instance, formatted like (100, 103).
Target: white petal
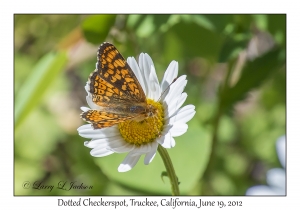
(276, 177)
(181, 100)
(173, 143)
(96, 143)
(145, 63)
(89, 99)
(167, 141)
(170, 74)
(87, 131)
(143, 149)
(143, 73)
(178, 129)
(128, 163)
(261, 190)
(164, 139)
(177, 87)
(84, 127)
(136, 69)
(91, 104)
(153, 84)
(151, 154)
(105, 142)
(87, 88)
(116, 141)
(183, 115)
(122, 148)
(171, 108)
(174, 90)
(84, 109)
(166, 129)
(100, 152)
(281, 148)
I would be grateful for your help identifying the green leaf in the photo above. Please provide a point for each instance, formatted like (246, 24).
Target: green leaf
(277, 27)
(164, 173)
(133, 21)
(231, 48)
(242, 23)
(145, 25)
(31, 92)
(160, 20)
(198, 41)
(203, 21)
(219, 21)
(253, 74)
(96, 27)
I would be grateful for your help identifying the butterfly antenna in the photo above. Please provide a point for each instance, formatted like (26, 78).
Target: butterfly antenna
(167, 88)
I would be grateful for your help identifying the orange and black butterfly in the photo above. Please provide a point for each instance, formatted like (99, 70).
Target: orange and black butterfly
(116, 91)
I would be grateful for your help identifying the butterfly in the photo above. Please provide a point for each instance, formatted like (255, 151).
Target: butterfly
(116, 90)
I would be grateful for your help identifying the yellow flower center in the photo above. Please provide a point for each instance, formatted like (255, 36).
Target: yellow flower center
(144, 131)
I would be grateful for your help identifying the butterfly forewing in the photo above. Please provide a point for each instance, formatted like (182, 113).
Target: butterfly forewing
(115, 89)
(114, 70)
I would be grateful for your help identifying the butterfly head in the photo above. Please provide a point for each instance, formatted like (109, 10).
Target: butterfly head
(151, 110)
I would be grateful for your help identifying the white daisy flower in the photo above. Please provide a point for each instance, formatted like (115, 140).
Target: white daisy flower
(275, 177)
(137, 138)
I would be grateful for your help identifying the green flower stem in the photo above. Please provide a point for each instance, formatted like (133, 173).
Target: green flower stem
(170, 169)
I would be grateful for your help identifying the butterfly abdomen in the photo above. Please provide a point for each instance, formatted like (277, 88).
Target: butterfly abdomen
(136, 109)
(126, 109)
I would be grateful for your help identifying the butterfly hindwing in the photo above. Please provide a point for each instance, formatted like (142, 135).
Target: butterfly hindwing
(101, 119)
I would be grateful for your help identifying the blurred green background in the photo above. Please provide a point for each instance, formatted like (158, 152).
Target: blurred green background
(235, 66)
